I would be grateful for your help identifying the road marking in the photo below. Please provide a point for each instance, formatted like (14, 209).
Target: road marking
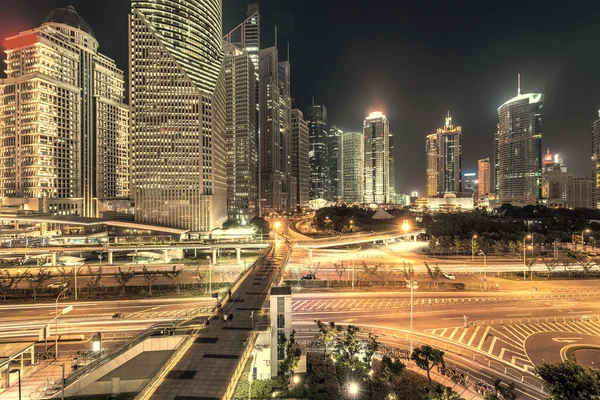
(453, 333)
(504, 308)
(444, 331)
(462, 336)
(492, 345)
(566, 340)
(473, 336)
(517, 315)
(453, 318)
(485, 333)
(579, 312)
(501, 356)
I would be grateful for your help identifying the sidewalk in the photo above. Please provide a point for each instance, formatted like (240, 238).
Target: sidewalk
(205, 370)
(46, 370)
(463, 392)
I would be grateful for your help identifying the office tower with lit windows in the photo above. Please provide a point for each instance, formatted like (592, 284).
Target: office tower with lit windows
(596, 161)
(444, 160)
(316, 116)
(353, 169)
(484, 177)
(580, 192)
(519, 149)
(64, 129)
(299, 155)
(470, 184)
(376, 131)
(335, 161)
(178, 133)
(392, 178)
(240, 89)
(275, 121)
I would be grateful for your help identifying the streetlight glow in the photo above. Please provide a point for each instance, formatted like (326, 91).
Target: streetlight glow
(405, 226)
(296, 379)
(277, 225)
(353, 388)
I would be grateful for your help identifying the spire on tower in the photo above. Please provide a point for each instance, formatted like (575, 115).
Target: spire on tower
(519, 84)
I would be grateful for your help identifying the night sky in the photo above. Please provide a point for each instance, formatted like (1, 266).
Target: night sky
(414, 60)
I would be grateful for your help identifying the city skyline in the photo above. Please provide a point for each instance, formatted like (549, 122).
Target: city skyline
(407, 102)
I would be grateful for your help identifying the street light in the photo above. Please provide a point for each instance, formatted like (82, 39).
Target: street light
(17, 370)
(353, 389)
(277, 224)
(525, 256)
(473, 248)
(56, 323)
(412, 285)
(582, 238)
(209, 275)
(481, 253)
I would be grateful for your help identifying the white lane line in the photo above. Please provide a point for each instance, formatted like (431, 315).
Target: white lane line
(453, 318)
(350, 305)
(444, 332)
(492, 345)
(501, 356)
(453, 333)
(517, 315)
(462, 335)
(485, 333)
(473, 336)
(504, 308)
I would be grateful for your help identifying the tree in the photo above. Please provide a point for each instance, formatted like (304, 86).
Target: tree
(434, 274)
(38, 280)
(587, 263)
(427, 357)
(340, 269)
(95, 281)
(444, 393)
(386, 274)
(434, 244)
(408, 270)
(202, 276)
(327, 333)
(10, 281)
(529, 264)
(501, 392)
(370, 346)
(566, 262)
(389, 369)
(348, 347)
(150, 277)
(292, 354)
(550, 264)
(176, 276)
(570, 381)
(314, 270)
(261, 226)
(498, 247)
(123, 278)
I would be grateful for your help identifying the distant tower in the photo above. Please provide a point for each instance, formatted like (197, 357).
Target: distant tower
(316, 116)
(335, 161)
(354, 167)
(444, 160)
(376, 131)
(596, 160)
(484, 177)
(63, 123)
(518, 149)
(299, 153)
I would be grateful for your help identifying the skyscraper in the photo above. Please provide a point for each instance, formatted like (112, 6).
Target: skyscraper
(519, 149)
(353, 148)
(484, 177)
(376, 131)
(64, 129)
(240, 88)
(335, 162)
(580, 192)
(392, 178)
(316, 116)
(275, 120)
(596, 160)
(178, 131)
(444, 160)
(299, 154)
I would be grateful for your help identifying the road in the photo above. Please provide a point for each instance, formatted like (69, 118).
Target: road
(526, 330)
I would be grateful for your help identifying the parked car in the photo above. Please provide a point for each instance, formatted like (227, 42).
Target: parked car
(309, 277)
(58, 285)
(585, 317)
(448, 275)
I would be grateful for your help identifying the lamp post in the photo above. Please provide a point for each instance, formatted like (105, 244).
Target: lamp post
(473, 248)
(525, 256)
(481, 253)
(17, 370)
(412, 285)
(209, 275)
(56, 323)
(277, 224)
(582, 238)
(348, 249)
(353, 389)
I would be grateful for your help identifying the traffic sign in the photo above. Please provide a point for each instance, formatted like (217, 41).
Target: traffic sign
(67, 309)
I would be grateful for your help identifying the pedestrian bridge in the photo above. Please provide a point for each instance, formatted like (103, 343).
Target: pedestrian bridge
(386, 237)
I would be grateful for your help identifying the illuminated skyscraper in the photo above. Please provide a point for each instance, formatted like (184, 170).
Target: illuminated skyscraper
(64, 129)
(335, 161)
(178, 134)
(316, 116)
(596, 160)
(376, 131)
(444, 160)
(519, 149)
(275, 120)
(484, 177)
(240, 87)
(353, 148)
(299, 154)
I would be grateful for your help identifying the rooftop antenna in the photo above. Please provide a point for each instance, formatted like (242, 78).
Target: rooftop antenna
(519, 84)
(313, 101)
(275, 36)
(288, 51)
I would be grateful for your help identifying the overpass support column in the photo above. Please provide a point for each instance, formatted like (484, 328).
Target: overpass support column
(53, 261)
(414, 238)
(214, 256)
(166, 256)
(110, 258)
(386, 242)
(310, 255)
(238, 253)
(32, 354)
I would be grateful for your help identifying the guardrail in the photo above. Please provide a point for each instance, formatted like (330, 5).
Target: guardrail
(537, 320)
(240, 367)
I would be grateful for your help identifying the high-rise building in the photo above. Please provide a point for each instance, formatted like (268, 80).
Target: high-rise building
(275, 120)
(299, 154)
(335, 162)
(444, 160)
(392, 178)
(178, 134)
(470, 184)
(580, 193)
(484, 178)
(354, 167)
(64, 129)
(518, 149)
(240, 88)
(376, 131)
(316, 116)
(596, 160)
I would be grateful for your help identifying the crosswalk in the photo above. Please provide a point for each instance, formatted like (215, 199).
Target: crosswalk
(507, 342)
(172, 314)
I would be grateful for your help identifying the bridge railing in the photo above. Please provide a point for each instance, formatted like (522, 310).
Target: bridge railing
(536, 320)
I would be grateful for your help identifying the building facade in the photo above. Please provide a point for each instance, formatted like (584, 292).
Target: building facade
(275, 121)
(376, 131)
(316, 116)
(64, 128)
(392, 178)
(335, 162)
(518, 149)
(596, 161)
(354, 167)
(470, 184)
(299, 154)
(444, 160)
(484, 178)
(240, 89)
(581, 192)
(178, 134)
